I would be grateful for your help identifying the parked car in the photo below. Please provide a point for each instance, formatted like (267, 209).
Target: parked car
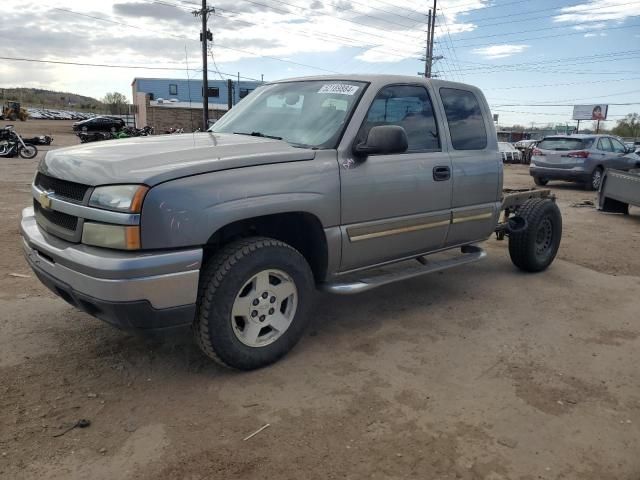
(524, 144)
(314, 182)
(578, 158)
(509, 153)
(103, 123)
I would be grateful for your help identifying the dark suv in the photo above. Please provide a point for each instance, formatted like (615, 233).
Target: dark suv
(99, 124)
(578, 158)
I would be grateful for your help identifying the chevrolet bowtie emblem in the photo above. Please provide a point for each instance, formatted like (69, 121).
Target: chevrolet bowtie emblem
(45, 199)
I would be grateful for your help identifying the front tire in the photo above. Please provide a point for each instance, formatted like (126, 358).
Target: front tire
(596, 179)
(28, 151)
(540, 181)
(252, 303)
(534, 248)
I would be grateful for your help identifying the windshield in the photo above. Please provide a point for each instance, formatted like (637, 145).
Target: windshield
(307, 114)
(562, 144)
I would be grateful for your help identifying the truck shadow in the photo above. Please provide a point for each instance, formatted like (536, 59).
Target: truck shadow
(425, 304)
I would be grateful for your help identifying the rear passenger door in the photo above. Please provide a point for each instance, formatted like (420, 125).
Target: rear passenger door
(397, 205)
(476, 166)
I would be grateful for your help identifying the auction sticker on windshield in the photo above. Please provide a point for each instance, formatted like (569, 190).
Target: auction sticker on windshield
(340, 88)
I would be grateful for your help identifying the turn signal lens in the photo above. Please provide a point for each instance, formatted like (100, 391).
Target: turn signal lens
(121, 237)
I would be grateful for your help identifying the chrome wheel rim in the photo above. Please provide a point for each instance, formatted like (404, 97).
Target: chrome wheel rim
(29, 152)
(264, 308)
(596, 179)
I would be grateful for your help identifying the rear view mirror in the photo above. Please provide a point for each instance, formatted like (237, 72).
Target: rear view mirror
(383, 139)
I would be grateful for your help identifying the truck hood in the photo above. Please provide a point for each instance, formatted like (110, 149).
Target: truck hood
(156, 159)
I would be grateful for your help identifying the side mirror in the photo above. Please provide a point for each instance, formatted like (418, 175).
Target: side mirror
(383, 139)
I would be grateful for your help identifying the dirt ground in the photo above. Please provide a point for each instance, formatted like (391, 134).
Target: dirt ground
(481, 372)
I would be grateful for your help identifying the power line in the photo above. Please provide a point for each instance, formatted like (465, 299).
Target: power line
(557, 104)
(562, 84)
(544, 36)
(551, 63)
(106, 65)
(587, 98)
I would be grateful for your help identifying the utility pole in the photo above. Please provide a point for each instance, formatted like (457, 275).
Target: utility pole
(431, 27)
(427, 55)
(205, 35)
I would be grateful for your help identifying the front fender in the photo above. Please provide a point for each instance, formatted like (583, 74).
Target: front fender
(187, 211)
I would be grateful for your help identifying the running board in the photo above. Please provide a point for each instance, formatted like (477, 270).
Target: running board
(470, 254)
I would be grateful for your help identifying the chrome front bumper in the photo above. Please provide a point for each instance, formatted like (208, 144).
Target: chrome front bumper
(102, 279)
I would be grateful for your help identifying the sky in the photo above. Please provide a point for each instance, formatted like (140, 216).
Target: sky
(530, 58)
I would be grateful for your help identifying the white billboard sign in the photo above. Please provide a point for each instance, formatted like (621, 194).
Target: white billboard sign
(590, 112)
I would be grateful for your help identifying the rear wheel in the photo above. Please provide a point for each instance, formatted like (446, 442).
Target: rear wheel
(534, 248)
(540, 181)
(253, 302)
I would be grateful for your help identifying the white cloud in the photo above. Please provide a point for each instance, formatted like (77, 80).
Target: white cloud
(500, 51)
(591, 26)
(599, 10)
(591, 34)
(158, 34)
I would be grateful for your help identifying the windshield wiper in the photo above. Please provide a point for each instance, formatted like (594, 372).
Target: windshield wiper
(258, 134)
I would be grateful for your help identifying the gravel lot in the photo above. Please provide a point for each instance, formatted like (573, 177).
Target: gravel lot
(481, 372)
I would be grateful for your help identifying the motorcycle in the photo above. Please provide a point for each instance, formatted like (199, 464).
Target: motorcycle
(39, 140)
(126, 132)
(11, 144)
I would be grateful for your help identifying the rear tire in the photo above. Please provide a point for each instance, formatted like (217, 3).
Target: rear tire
(540, 181)
(252, 303)
(534, 248)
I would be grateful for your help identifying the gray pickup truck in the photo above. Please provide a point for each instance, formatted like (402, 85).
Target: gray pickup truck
(320, 182)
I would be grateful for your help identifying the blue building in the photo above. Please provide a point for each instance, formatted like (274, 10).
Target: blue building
(191, 90)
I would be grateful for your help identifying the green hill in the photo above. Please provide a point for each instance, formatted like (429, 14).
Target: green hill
(40, 98)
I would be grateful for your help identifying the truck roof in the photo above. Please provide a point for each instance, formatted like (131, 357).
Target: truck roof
(380, 79)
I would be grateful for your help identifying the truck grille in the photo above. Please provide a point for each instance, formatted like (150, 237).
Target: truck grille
(62, 188)
(62, 220)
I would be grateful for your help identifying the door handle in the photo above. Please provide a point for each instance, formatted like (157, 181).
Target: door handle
(440, 174)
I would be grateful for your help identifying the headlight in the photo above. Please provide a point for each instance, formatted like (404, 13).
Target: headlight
(122, 237)
(120, 198)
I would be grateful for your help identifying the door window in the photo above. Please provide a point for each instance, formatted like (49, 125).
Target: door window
(605, 145)
(464, 116)
(409, 107)
(618, 146)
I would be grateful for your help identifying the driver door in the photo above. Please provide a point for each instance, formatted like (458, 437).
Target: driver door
(397, 205)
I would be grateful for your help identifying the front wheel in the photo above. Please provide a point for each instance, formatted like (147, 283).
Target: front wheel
(540, 181)
(252, 303)
(28, 151)
(596, 179)
(534, 248)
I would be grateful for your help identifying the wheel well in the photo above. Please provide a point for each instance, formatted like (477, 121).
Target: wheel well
(303, 231)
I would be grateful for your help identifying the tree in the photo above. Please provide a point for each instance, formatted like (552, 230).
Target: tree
(628, 126)
(115, 102)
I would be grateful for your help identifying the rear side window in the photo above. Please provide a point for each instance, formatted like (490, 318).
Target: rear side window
(464, 116)
(561, 144)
